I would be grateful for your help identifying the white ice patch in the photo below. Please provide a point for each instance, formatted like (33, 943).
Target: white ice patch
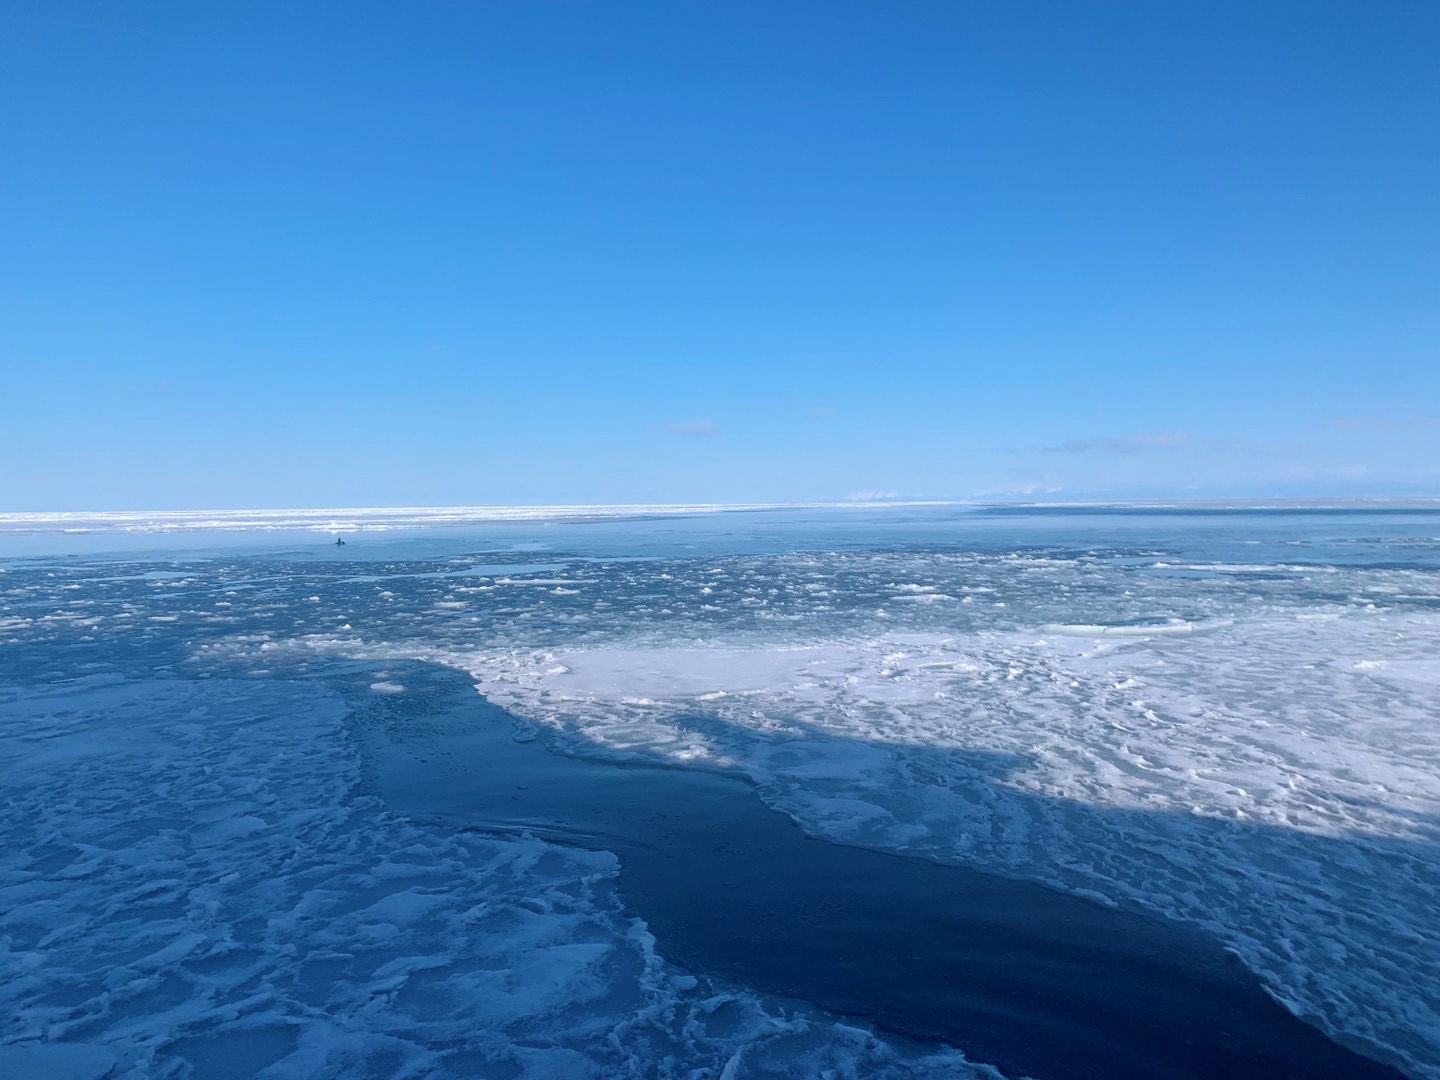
(670, 674)
(1141, 629)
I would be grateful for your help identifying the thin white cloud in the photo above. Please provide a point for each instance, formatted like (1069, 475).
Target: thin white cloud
(1387, 423)
(688, 427)
(1143, 443)
(1169, 442)
(1029, 487)
(872, 496)
(1332, 472)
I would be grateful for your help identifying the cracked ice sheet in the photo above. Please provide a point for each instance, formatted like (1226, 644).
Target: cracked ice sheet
(1274, 780)
(196, 884)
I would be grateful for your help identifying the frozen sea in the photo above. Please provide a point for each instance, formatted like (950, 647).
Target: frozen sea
(906, 791)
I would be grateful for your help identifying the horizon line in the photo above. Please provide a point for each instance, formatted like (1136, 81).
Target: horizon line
(1211, 501)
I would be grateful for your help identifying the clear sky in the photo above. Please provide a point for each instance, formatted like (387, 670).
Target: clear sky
(281, 254)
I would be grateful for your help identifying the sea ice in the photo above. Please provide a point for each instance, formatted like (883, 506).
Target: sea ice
(1231, 725)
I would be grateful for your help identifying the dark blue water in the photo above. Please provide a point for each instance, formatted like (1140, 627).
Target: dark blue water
(1035, 981)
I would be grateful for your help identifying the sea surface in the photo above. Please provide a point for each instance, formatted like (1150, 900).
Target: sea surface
(902, 791)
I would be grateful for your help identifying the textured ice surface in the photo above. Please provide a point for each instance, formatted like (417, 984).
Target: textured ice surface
(1227, 719)
(194, 884)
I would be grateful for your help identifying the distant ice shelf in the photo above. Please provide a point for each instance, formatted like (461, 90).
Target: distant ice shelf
(353, 519)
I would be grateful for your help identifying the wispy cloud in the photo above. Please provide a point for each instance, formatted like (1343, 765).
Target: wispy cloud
(1047, 486)
(1387, 423)
(1332, 472)
(1143, 443)
(1168, 442)
(872, 496)
(688, 427)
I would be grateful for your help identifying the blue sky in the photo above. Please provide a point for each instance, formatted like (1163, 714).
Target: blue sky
(276, 254)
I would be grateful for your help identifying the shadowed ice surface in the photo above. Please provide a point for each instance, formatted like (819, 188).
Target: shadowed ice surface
(1027, 978)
